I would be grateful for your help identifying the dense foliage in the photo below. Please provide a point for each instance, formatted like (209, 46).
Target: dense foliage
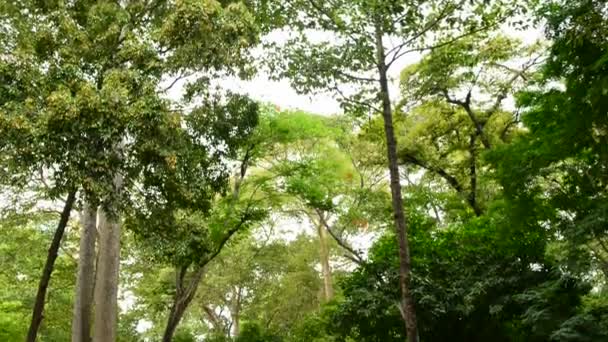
(460, 196)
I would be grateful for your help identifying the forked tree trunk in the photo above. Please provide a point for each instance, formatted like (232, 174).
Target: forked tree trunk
(184, 293)
(407, 300)
(328, 289)
(183, 296)
(175, 315)
(106, 283)
(85, 283)
(45, 278)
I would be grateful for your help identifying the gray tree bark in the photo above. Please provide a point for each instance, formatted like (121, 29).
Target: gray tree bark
(328, 289)
(235, 312)
(106, 283)
(105, 323)
(85, 283)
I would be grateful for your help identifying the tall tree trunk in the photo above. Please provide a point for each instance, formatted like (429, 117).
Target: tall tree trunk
(106, 283)
(328, 289)
(85, 283)
(235, 312)
(48, 268)
(407, 300)
(181, 300)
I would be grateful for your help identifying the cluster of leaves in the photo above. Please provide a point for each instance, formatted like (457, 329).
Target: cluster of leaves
(562, 161)
(507, 211)
(529, 266)
(85, 103)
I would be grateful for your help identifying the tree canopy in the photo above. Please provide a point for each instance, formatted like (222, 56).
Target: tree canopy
(459, 192)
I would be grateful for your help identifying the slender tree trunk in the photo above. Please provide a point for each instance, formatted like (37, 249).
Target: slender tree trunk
(85, 283)
(48, 268)
(324, 257)
(236, 323)
(407, 300)
(106, 283)
(183, 297)
(235, 313)
(472, 198)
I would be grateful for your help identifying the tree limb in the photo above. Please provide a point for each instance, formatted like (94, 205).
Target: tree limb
(354, 255)
(395, 51)
(466, 105)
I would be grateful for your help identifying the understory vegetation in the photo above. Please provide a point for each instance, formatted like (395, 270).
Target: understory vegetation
(458, 193)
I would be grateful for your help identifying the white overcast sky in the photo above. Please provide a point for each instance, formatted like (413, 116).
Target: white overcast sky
(282, 94)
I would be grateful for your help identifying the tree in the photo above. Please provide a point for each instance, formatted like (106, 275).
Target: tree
(454, 112)
(239, 284)
(22, 254)
(563, 167)
(85, 283)
(324, 182)
(93, 77)
(178, 226)
(474, 277)
(556, 170)
(358, 54)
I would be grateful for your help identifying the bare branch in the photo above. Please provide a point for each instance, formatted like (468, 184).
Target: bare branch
(355, 78)
(395, 51)
(452, 181)
(354, 255)
(466, 105)
(177, 79)
(437, 46)
(355, 102)
(507, 86)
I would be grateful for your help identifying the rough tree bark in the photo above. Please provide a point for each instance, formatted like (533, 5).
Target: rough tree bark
(407, 300)
(85, 283)
(48, 268)
(328, 289)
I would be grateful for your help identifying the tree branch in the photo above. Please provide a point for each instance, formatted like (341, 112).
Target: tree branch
(438, 45)
(507, 86)
(355, 102)
(452, 181)
(466, 105)
(177, 79)
(395, 51)
(355, 78)
(354, 255)
(212, 317)
(331, 20)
